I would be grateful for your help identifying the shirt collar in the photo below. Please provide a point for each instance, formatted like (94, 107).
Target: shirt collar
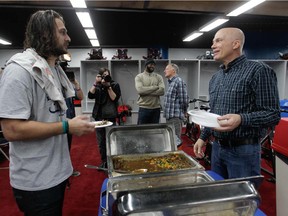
(171, 79)
(233, 63)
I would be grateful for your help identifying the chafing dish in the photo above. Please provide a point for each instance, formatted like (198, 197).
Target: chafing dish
(186, 190)
(152, 162)
(124, 184)
(137, 147)
(217, 198)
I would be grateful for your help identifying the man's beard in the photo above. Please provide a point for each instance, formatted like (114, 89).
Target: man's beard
(150, 69)
(59, 50)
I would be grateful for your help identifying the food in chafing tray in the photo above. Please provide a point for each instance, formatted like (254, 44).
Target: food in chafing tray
(171, 161)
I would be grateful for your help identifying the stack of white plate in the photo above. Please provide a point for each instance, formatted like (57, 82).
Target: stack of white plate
(204, 118)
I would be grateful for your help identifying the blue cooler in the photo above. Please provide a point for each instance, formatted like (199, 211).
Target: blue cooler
(284, 106)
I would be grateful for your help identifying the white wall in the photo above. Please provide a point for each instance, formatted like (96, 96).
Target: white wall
(136, 53)
(185, 54)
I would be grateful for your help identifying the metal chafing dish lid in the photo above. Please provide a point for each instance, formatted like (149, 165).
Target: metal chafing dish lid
(140, 139)
(216, 198)
(121, 185)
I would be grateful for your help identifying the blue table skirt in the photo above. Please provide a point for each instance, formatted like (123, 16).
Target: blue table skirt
(102, 204)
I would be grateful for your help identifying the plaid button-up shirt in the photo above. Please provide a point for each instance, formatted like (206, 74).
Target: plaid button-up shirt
(248, 88)
(176, 99)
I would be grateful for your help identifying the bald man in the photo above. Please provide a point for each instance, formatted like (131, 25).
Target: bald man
(245, 95)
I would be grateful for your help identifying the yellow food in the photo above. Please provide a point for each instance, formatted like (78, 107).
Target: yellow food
(153, 163)
(104, 122)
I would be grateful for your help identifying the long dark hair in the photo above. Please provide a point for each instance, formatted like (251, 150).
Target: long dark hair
(40, 32)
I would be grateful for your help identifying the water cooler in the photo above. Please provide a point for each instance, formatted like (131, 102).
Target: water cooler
(280, 147)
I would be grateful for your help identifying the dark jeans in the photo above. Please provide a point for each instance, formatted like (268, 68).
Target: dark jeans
(148, 116)
(236, 162)
(101, 140)
(69, 137)
(47, 202)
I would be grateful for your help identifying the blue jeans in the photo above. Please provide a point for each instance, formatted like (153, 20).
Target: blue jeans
(41, 203)
(148, 116)
(236, 162)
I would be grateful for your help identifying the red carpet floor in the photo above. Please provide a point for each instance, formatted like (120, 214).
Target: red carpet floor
(82, 199)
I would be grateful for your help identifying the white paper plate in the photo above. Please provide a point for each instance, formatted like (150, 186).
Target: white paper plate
(204, 118)
(98, 124)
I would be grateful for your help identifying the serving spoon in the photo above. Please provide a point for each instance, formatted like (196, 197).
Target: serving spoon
(116, 170)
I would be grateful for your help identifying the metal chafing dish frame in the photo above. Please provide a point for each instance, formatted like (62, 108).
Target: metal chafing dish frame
(124, 184)
(161, 132)
(254, 183)
(132, 141)
(216, 198)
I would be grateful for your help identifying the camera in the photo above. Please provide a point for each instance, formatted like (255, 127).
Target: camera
(107, 78)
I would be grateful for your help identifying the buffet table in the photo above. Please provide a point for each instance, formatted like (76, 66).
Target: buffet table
(103, 198)
(132, 148)
(280, 147)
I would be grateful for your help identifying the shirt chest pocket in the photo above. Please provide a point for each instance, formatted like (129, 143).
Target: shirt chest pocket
(239, 95)
(238, 90)
(231, 96)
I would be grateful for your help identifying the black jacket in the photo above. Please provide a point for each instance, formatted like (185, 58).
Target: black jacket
(101, 97)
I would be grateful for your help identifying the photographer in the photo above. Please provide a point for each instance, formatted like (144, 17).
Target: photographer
(106, 93)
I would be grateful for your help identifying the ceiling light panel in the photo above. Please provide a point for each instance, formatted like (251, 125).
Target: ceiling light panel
(91, 34)
(78, 3)
(4, 42)
(245, 7)
(85, 19)
(213, 24)
(95, 43)
(192, 36)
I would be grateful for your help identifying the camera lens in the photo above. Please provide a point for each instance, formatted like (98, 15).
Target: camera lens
(107, 78)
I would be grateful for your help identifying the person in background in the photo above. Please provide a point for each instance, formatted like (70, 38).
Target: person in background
(71, 113)
(245, 95)
(106, 93)
(33, 117)
(176, 101)
(150, 86)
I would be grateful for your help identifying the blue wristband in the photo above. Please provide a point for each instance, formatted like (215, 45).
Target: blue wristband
(65, 126)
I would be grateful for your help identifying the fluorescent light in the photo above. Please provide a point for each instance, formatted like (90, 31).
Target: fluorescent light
(245, 7)
(86, 22)
(213, 24)
(5, 42)
(95, 43)
(78, 3)
(192, 36)
(85, 19)
(91, 34)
